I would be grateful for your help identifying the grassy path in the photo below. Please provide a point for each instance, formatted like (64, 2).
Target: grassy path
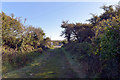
(52, 64)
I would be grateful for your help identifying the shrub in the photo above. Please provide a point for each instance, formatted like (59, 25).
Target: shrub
(108, 32)
(39, 50)
(81, 50)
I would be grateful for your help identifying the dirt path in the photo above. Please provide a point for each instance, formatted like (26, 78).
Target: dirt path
(52, 64)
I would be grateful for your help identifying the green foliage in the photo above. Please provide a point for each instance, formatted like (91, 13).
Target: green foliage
(15, 61)
(77, 32)
(18, 37)
(33, 37)
(20, 44)
(97, 43)
(12, 30)
(47, 42)
(103, 52)
(68, 30)
(109, 12)
(81, 50)
(64, 42)
(108, 33)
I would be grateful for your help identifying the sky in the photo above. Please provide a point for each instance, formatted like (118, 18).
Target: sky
(49, 15)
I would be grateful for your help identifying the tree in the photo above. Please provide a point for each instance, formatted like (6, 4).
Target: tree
(109, 12)
(12, 30)
(83, 32)
(18, 37)
(33, 36)
(68, 30)
(77, 32)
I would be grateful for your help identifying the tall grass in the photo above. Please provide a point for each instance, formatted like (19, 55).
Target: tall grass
(12, 61)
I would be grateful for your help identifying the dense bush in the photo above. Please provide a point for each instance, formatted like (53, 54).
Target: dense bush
(103, 52)
(18, 60)
(109, 35)
(81, 50)
(20, 44)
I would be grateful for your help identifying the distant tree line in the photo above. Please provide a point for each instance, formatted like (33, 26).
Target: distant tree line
(56, 42)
